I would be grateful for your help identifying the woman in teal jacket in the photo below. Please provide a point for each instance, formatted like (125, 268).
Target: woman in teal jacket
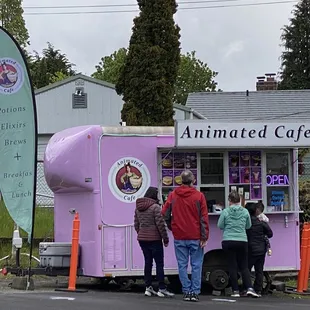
(234, 221)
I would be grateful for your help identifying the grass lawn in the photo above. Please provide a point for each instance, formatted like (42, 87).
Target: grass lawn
(6, 249)
(44, 223)
(43, 229)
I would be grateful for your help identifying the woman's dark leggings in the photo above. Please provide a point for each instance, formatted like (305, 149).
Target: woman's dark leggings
(153, 250)
(237, 255)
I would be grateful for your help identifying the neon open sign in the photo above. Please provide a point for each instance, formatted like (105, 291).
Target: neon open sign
(277, 179)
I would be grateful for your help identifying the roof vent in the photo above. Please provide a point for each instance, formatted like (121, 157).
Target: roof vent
(79, 99)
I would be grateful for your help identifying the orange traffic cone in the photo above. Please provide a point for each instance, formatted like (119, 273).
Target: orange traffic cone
(74, 258)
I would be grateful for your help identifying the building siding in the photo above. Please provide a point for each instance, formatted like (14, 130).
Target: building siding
(257, 105)
(55, 112)
(178, 114)
(42, 143)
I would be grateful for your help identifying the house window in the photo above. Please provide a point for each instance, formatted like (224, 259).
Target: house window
(79, 99)
(212, 178)
(278, 181)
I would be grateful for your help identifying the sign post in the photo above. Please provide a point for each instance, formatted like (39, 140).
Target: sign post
(18, 137)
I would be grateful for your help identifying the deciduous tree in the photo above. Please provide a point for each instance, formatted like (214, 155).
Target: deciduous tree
(58, 76)
(193, 76)
(109, 68)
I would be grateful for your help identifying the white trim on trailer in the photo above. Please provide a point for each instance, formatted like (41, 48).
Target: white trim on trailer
(174, 272)
(138, 131)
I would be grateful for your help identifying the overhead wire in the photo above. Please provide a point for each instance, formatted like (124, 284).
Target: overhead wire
(179, 9)
(122, 5)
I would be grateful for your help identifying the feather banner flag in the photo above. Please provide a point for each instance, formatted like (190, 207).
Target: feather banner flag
(18, 134)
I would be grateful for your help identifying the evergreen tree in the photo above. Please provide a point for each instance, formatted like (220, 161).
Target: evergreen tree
(11, 19)
(148, 76)
(296, 56)
(52, 66)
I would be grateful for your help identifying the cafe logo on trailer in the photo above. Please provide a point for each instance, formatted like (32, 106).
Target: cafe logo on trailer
(11, 76)
(128, 179)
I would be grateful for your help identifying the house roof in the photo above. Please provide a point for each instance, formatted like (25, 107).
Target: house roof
(257, 105)
(72, 79)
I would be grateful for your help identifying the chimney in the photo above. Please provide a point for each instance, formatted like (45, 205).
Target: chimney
(267, 82)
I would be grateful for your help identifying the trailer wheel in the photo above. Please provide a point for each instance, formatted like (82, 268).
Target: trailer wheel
(125, 283)
(267, 283)
(219, 279)
(215, 270)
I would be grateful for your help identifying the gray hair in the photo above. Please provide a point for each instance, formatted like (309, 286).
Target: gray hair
(187, 177)
(234, 197)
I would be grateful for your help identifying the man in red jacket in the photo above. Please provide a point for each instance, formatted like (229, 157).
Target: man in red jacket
(186, 214)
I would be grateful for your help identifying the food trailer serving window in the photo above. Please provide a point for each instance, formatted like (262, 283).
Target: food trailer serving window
(255, 174)
(212, 180)
(278, 181)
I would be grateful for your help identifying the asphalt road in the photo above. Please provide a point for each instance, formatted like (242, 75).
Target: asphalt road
(48, 300)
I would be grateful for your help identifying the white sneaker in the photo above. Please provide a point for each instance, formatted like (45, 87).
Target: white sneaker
(235, 294)
(164, 293)
(149, 291)
(252, 293)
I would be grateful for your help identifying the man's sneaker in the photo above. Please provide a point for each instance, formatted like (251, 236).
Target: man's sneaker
(187, 297)
(194, 297)
(235, 294)
(164, 293)
(149, 291)
(252, 293)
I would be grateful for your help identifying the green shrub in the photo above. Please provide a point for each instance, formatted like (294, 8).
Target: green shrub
(304, 200)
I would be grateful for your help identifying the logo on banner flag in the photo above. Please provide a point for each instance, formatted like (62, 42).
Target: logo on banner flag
(11, 76)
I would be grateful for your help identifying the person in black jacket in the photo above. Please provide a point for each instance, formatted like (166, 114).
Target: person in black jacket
(257, 245)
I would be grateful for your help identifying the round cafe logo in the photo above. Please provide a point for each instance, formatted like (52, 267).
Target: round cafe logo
(129, 178)
(11, 76)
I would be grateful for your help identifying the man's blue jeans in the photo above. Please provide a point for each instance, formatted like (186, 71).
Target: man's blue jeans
(185, 250)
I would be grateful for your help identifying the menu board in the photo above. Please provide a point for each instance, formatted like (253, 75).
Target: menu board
(173, 164)
(245, 169)
(277, 200)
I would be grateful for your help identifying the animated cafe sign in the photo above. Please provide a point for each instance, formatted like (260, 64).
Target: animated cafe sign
(206, 134)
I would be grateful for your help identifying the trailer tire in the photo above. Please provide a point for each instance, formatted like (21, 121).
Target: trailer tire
(267, 282)
(125, 283)
(219, 279)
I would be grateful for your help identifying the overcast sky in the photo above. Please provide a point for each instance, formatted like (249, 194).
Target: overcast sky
(240, 43)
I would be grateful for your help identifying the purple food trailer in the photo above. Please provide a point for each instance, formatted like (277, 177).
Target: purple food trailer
(101, 171)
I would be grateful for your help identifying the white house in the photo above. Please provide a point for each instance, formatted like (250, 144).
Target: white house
(76, 101)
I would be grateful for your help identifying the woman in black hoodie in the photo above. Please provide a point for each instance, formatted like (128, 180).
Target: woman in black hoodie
(257, 245)
(152, 233)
